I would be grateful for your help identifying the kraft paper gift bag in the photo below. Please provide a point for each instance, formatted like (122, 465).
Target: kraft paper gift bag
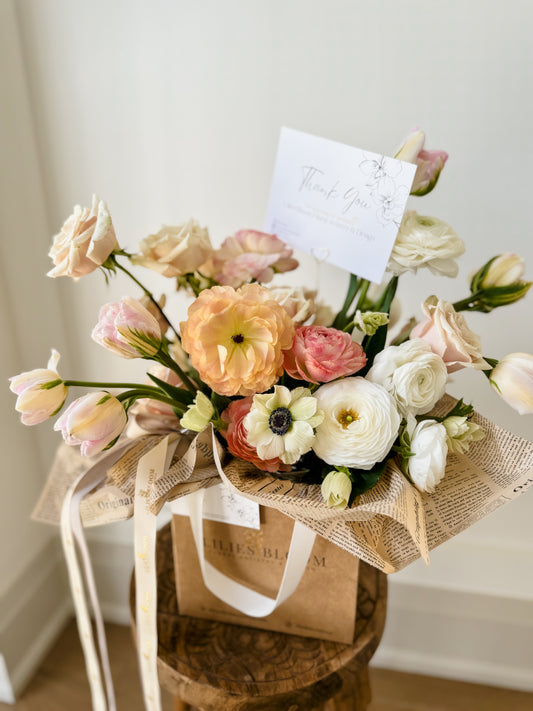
(323, 605)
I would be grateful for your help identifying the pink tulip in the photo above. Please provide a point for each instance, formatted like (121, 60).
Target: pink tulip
(429, 163)
(41, 392)
(127, 329)
(93, 421)
(321, 354)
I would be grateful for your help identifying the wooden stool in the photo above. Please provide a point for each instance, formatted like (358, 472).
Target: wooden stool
(215, 666)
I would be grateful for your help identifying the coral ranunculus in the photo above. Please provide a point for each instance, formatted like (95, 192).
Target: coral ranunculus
(236, 437)
(235, 339)
(321, 354)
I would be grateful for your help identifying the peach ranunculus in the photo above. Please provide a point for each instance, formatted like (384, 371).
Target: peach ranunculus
(85, 241)
(249, 255)
(449, 336)
(321, 354)
(174, 251)
(236, 437)
(235, 338)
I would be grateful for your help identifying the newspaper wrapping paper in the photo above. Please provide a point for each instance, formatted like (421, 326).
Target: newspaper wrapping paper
(390, 526)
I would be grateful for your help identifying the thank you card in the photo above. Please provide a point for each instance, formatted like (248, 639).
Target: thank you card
(341, 204)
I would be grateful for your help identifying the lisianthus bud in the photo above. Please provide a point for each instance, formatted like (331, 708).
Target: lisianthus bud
(461, 432)
(512, 378)
(500, 281)
(127, 329)
(41, 392)
(336, 489)
(429, 163)
(199, 414)
(369, 321)
(93, 421)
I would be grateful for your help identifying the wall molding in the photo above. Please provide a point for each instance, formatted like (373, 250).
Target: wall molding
(37, 606)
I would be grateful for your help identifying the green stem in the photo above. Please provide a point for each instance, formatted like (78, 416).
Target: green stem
(353, 286)
(140, 395)
(362, 296)
(148, 294)
(90, 384)
(468, 304)
(169, 362)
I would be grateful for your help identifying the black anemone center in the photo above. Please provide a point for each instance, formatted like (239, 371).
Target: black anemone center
(280, 420)
(237, 338)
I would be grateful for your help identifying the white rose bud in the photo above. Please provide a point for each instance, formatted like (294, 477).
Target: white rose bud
(336, 489)
(429, 449)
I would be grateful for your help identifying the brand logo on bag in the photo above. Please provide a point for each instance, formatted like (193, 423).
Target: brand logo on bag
(260, 553)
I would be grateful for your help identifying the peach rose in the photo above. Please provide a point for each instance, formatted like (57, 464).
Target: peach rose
(174, 251)
(249, 255)
(86, 240)
(449, 336)
(235, 339)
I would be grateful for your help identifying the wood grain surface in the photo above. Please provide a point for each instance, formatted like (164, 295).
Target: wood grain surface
(214, 665)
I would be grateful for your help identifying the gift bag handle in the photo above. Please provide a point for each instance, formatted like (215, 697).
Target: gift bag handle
(239, 596)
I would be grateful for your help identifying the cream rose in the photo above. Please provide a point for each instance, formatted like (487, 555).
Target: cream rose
(360, 423)
(85, 241)
(174, 251)
(449, 336)
(412, 374)
(429, 449)
(298, 302)
(425, 242)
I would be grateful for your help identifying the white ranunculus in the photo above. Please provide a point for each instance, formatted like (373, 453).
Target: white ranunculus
(360, 423)
(412, 374)
(336, 489)
(425, 242)
(430, 449)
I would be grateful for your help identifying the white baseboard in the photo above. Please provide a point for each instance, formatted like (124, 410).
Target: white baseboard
(35, 609)
(468, 636)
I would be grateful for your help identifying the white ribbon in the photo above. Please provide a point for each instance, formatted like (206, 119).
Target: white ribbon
(149, 468)
(72, 530)
(239, 596)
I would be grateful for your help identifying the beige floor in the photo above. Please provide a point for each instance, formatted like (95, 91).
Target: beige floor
(60, 685)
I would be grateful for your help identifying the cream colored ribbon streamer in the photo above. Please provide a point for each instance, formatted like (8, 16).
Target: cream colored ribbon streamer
(150, 467)
(72, 530)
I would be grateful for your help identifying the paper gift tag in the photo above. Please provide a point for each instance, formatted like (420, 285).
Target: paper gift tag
(332, 199)
(221, 504)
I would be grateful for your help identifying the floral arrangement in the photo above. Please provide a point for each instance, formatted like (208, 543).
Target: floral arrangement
(300, 391)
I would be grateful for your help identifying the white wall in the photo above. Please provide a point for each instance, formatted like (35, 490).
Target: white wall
(173, 109)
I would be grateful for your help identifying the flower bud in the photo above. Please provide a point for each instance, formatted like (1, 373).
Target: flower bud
(199, 414)
(41, 392)
(128, 329)
(512, 378)
(500, 281)
(429, 449)
(369, 321)
(429, 163)
(460, 432)
(93, 421)
(336, 489)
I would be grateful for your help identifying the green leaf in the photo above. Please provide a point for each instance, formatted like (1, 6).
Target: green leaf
(182, 397)
(364, 479)
(372, 345)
